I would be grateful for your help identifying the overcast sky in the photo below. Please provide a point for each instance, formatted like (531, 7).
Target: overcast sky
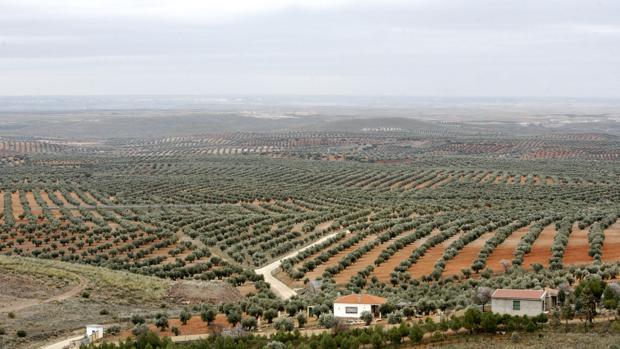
(311, 47)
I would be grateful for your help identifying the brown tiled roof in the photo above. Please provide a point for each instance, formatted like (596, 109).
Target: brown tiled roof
(361, 299)
(518, 294)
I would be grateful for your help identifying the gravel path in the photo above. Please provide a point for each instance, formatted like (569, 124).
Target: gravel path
(277, 286)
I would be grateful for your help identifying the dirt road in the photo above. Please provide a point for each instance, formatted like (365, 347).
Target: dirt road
(64, 343)
(26, 303)
(277, 286)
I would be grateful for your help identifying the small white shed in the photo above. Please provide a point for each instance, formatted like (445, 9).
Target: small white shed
(94, 332)
(518, 302)
(353, 305)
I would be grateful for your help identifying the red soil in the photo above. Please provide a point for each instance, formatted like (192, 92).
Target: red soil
(426, 183)
(577, 249)
(506, 249)
(16, 205)
(47, 200)
(443, 182)
(467, 255)
(541, 248)
(90, 196)
(478, 177)
(364, 261)
(319, 227)
(78, 199)
(426, 264)
(382, 272)
(62, 198)
(611, 245)
(195, 325)
(34, 206)
(96, 214)
(318, 271)
(487, 178)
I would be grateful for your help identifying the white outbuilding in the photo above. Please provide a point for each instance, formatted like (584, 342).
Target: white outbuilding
(353, 305)
(94, 332)
(519, 302)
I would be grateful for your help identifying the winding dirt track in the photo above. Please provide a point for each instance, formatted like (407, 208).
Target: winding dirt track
(27, 303)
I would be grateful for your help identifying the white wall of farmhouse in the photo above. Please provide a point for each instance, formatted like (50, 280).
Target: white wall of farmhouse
(526, 307)
(347, 310)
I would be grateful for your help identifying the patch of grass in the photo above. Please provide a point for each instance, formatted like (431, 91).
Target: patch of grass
(540, 340)
(111, 284)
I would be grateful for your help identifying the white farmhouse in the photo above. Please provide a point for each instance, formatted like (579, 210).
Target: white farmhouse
(353, 305)
(519, 302)
(94, 332)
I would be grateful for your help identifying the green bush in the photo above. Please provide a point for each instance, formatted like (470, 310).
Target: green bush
(416, 333)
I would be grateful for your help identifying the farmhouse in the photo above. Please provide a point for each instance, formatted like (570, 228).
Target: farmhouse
(519, 302)
(353, 305)
(94, 332)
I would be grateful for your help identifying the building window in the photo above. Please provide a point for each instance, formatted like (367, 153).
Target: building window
(350, 310)
(516, 305)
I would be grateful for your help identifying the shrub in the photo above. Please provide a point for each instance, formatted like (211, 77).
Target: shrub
(530, 326)
(376, 340)
(394, 335)
(416, 333)
(137, 319)
(615, 326)
(184, 316)
(301, 320)
(541, 319)
(140, 330)
(327, 320)
(430, 325)
(21, 333)
(472, 318)
(438, 337)
(284, 324)
(208, 315)
(175, 330)
(395, 317)
(488, 322)
(275, 345)
(249, 323)
(161, 321)
(114, 330)
(270, 314)
(367, 317)
(233, 317)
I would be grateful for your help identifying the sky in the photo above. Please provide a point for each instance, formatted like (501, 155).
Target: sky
(440, 48)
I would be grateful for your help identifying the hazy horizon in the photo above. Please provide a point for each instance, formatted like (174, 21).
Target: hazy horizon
(441, 49)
